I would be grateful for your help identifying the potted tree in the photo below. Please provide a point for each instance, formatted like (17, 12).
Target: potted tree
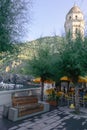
(52, 98)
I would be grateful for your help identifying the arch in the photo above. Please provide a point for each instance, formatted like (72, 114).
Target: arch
(70, 17)
(76, 30)
(76, 17)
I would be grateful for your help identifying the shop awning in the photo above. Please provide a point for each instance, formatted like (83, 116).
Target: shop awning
(80, 79)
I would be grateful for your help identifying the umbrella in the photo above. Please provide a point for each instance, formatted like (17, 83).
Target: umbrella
(65, 78)
(80, 79)
(38, 80)
(86, 78)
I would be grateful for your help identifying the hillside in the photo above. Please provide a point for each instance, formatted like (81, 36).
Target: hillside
(14, 64)
(27, 48)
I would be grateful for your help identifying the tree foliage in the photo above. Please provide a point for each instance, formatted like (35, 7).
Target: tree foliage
(40, 64)
(12, 18)
(73, 59)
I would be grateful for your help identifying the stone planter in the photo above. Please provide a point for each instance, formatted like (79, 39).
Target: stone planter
(52, 103)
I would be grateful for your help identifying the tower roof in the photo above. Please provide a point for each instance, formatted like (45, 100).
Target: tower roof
(75, 9)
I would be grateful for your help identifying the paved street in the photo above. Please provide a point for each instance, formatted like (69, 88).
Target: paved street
(61, 118)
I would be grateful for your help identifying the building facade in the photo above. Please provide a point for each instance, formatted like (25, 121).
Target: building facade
(74, 22)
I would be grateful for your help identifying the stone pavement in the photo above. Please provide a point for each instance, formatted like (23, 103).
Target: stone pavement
(61, 118)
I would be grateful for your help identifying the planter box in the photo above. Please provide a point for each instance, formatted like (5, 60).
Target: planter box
(53, 103)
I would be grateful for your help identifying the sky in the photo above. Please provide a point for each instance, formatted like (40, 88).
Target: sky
(48, 17)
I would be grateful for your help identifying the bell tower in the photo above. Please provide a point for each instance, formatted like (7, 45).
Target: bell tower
(74, 22)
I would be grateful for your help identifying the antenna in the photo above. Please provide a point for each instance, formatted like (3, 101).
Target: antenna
(75, 2)
(79, 3)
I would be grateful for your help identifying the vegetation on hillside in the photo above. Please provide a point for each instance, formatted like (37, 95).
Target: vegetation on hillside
(17, 61)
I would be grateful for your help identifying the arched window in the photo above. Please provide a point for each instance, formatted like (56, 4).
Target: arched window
(69, 17)
(76, 31)
(76, 17)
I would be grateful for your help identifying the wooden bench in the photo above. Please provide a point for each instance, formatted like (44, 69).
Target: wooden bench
(26, 106)
(24, 100)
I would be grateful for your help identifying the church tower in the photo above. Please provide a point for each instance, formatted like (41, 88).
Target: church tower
(74, 22)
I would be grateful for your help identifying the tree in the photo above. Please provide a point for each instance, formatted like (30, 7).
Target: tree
(40, 64)
(72, 62)
(12, 18)
(14, 14)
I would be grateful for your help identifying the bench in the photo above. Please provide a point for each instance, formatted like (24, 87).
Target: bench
(23, 100)
(26, 106)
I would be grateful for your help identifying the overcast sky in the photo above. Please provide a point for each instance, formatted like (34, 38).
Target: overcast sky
(48, 17)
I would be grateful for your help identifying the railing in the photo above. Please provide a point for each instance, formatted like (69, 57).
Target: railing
(67, 101)
(5, 86)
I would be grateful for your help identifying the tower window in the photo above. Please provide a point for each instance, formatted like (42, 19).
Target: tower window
(69, 17)
(76, 31)
(76, 17)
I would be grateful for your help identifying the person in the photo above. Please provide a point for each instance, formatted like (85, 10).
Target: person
(64, 90)
(81, 93)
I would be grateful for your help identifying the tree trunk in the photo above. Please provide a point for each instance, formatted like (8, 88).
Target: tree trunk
(42, 90)
(77, 109)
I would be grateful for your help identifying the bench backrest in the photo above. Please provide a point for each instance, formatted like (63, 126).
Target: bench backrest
(25, 100)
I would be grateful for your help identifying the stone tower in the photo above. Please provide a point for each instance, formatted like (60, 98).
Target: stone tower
(74, 23)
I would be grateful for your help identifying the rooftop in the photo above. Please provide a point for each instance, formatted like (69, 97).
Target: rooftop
(75, 9)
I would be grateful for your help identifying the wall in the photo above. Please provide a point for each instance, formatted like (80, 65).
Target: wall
(6, 96)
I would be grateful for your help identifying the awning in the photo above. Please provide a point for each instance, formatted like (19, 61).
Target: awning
(38, 80)
(81, 79)
(65, 78)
